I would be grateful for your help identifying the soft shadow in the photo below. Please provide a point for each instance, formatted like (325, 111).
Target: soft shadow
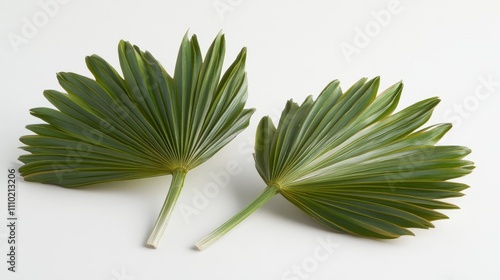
(281, 208)
(134, 185)
(251, 186)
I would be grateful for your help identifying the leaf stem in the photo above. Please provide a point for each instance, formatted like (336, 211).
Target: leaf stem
(260, 200)
(178, 177)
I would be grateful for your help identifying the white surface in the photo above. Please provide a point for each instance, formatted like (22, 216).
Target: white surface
(438, 48)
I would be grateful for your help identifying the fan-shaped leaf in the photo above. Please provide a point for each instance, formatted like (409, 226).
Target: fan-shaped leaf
(143, 124)
(355, 167)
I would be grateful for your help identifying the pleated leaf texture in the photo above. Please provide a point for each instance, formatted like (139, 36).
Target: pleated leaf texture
(146, 123)
(353, 166)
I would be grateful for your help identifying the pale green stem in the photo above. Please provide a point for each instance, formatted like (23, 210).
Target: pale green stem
(260, 200)
(162, 221)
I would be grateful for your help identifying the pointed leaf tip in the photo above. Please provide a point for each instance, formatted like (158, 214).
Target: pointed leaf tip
(349, 167)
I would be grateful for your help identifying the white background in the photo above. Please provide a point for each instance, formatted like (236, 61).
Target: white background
(438, 48)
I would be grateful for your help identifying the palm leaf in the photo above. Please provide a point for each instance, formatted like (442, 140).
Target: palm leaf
(146, 123)
(351, 164)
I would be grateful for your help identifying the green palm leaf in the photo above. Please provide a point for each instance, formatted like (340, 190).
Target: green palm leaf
(146, 123)
(355, 167)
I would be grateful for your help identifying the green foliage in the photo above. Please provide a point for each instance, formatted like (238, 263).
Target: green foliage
(144, 124)
(352, 165)
(355, 167)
